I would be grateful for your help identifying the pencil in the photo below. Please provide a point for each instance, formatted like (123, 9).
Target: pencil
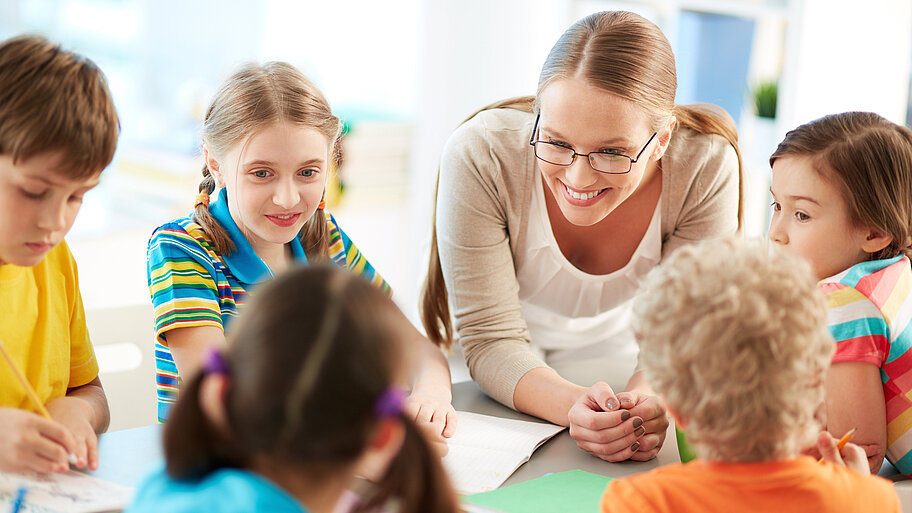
(843, 441)
(29, 391)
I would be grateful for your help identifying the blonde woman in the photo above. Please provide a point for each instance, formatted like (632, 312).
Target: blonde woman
(551, 209)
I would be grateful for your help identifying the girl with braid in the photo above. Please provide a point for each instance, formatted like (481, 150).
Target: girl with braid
(268, 140)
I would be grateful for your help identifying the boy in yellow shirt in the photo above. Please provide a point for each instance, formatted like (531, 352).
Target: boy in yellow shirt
(58, 131)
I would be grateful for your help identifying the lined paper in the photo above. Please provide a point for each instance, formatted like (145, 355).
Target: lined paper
(486, 450)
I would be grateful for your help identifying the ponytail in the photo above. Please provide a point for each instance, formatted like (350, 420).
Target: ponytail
(710, 119)
(193, 446)
(203, 217)
(315, 236)
(434, 307)
(415, 479)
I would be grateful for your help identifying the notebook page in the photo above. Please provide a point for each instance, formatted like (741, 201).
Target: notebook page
(486, 450)
(70, 492)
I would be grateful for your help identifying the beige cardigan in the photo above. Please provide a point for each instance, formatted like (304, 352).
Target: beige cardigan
(483, 201)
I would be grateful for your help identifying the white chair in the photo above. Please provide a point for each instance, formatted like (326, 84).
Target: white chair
(123, 337)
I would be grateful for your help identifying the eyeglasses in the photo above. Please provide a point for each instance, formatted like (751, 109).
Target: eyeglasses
(607, 162)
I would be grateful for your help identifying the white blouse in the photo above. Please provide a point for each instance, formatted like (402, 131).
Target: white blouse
(573, 315)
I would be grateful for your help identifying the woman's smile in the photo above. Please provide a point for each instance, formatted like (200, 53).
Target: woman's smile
(582, 198)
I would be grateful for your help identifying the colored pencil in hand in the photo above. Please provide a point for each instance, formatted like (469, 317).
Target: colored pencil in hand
(842, 441)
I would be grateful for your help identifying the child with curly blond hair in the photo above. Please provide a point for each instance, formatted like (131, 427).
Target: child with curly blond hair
(734, 339)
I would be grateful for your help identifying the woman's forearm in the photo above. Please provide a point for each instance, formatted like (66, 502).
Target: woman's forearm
(543, 393)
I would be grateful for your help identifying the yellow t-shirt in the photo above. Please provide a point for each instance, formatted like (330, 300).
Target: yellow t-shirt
(42, 325)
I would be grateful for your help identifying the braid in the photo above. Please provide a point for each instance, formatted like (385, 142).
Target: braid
(203, 217)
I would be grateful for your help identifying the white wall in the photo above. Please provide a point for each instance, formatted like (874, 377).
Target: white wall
(847, 55)
(471, 53)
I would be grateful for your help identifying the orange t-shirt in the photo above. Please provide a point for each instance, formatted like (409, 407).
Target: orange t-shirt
(790, 486)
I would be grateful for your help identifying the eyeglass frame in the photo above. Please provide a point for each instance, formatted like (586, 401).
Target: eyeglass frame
(533, 142)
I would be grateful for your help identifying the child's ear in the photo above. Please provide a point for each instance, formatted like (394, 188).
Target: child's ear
(213, 166)
(389, 435)
(384, 445)
(212, 399)
(876, 240)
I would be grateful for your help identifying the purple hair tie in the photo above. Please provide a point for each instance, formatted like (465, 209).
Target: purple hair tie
(216, 363)
(389, 403)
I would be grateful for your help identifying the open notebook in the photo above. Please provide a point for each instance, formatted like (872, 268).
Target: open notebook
(69, 492)
(486, 450)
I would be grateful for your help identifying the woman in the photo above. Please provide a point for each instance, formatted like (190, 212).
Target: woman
(551, 209)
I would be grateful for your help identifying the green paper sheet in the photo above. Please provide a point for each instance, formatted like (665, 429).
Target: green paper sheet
(573, 490)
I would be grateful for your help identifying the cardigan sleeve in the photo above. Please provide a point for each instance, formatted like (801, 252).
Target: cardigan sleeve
(473, 241)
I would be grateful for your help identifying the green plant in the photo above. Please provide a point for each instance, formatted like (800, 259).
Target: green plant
(765, 96)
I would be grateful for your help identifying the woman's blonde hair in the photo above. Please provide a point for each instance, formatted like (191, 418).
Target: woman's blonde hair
(621, 53)
(734, 337)
(870, 159)
(253, 98)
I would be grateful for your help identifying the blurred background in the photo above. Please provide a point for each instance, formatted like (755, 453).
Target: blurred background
(402, 74)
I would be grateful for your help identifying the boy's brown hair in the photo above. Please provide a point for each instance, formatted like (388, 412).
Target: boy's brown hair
(55, 100)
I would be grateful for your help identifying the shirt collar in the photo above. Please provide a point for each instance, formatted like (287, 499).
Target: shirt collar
(243, 261)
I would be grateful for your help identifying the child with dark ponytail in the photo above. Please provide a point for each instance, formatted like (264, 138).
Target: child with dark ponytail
(269, 140)
(286, 418)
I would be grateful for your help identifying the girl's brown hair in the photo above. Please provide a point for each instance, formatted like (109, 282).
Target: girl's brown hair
(626, 55)
(254, 97)
(870, 159)
(55, 100)
(305, 373)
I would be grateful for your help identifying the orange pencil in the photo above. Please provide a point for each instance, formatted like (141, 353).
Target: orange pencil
(29, 391)
(843, 441)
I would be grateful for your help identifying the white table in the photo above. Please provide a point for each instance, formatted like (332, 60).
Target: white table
(125, 456)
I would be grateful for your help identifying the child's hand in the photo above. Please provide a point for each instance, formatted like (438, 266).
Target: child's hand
(435, 440)
(437, 413)
(851, 455)
(76, 414)
(32, 443)
(629, 425)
